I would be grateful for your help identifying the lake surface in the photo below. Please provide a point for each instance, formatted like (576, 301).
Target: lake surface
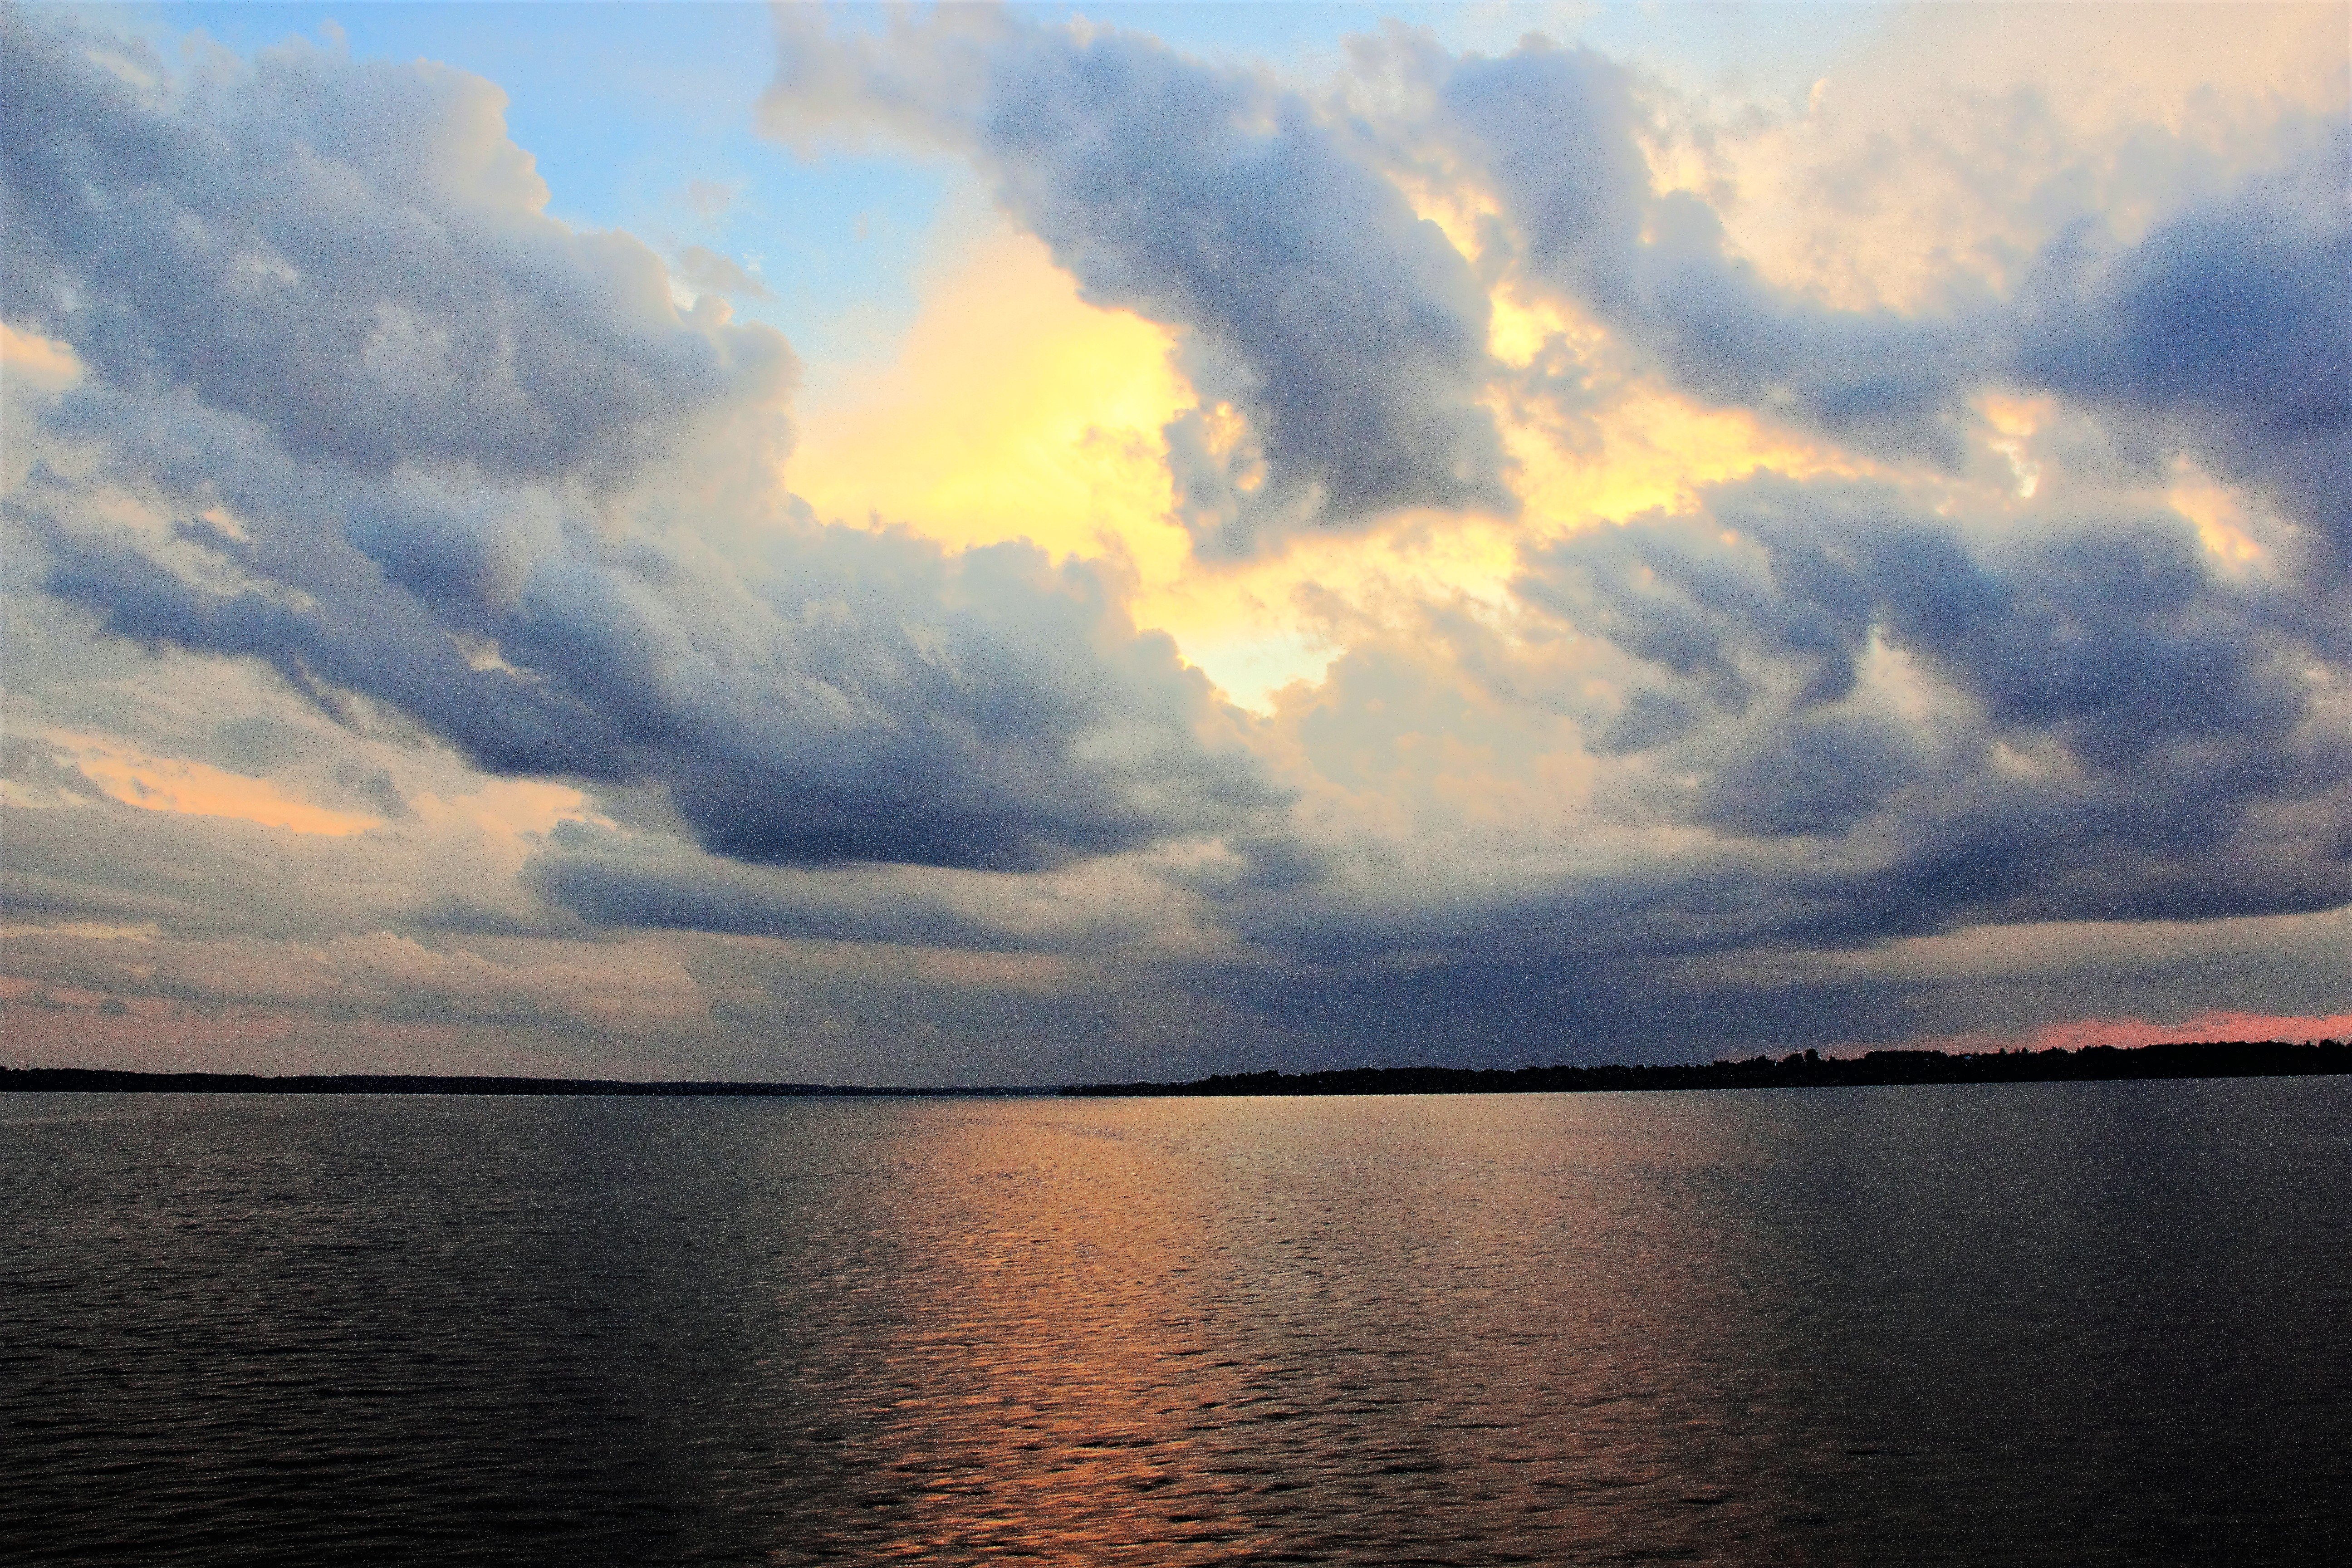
(2012, 1324)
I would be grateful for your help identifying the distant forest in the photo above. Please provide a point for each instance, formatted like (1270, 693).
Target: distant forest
(1801, 1070)
(106, 1080)
(2224, 1058)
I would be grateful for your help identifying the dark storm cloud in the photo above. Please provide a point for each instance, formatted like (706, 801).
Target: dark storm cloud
(1508, 1001)
(1689, 955)
(1514, 1009)
(349, 253)
(1889, 724)
(1348, 334)
(2163, 709)
(825, 695)
(800, 694)
(624, 881)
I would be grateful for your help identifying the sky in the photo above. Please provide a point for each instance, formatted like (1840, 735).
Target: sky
(976, 545)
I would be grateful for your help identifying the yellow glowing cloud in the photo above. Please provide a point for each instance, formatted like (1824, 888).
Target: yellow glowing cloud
(199, 789)
(1247, 626)
(1652, 450)
(1014, 410)
(2218, 512)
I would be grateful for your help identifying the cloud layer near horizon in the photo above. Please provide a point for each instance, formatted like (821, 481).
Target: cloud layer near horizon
(520, 711)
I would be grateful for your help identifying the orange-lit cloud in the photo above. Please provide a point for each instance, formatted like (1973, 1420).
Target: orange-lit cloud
(177, 785)
(507, 808)
(37, 358)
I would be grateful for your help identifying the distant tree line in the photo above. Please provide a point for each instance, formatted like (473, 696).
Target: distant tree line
(106, 1081)
(1798, 1069)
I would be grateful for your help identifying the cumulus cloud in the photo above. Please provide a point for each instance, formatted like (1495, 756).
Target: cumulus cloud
(1556, 133)
(350, 254)
(706, 269)
(2080, 720)
(1820, 718)
(821, 694)
(2225, 332)
(1717, 749)
(1338, 341)
(803, 694)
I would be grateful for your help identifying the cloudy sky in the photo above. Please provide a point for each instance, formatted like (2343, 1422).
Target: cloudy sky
(1021, 545)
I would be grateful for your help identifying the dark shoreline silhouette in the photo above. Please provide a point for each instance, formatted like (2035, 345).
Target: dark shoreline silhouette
(108, 1080)
(2220, 1058)
(1805, 1069)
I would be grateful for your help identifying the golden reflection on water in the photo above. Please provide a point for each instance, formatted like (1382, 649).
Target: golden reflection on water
(1191, 1330)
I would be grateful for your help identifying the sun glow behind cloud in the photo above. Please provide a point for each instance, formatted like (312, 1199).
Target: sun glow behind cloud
(1013, 409)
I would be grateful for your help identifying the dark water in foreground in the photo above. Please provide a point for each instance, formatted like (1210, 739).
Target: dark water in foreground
(2072, 1323)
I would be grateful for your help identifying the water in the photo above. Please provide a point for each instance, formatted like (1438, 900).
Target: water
(2076, 1323)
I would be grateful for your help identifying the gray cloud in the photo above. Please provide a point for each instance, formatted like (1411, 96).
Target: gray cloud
(2226, 331)
(1840, 720)
(824, 695)
(196, 876)
(1556, 132)
(1526, 991)
(42, 774)
(351, 253)
(800, 694)
(2169, 747)
(706, 269)
(374, 786)
(1347, 333)
(616, 880)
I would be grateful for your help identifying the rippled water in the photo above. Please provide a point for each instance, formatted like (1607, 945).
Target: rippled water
(2007, 1323)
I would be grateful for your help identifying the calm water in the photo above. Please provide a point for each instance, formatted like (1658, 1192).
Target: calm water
(2070, 1323)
